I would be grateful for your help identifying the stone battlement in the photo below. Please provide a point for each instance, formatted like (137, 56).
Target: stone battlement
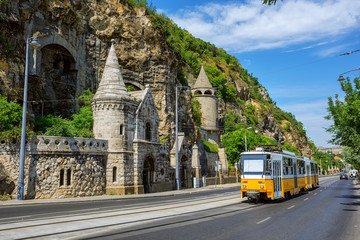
(57, 144)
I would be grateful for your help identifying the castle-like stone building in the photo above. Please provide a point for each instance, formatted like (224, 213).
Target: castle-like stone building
(130, 124)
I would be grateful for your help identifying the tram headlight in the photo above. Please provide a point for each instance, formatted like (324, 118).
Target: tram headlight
(244, 185)
(262, 186)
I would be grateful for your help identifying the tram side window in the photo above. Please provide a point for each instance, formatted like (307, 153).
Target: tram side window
(268, 165)
(301, 166)
(312, 168)
(288, 168)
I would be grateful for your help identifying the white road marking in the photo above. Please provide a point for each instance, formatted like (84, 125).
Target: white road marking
(263, 220)
(321, 190)
(291, 207)
(306, 199)
(315, 194)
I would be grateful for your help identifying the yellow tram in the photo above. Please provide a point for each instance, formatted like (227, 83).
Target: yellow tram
(269, 172)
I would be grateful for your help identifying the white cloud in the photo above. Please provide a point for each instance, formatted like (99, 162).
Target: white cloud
(249, 26)
(309, 46)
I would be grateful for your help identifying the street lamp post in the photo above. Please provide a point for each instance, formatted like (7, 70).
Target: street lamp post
(256, 131)
(341, 77)
(20, 188)
(176, 137)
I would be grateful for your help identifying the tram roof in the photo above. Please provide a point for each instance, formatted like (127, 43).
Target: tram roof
(254, 152)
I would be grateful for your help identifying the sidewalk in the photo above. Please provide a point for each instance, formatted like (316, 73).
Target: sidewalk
(117, 197)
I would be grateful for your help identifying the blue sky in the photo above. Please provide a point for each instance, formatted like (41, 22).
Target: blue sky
(292, 47)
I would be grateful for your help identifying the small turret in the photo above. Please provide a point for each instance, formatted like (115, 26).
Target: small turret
(113, 108)
(206, 95)
(112, 85)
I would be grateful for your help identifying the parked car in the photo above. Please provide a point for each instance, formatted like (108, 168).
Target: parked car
(344, 176)
(353, 173)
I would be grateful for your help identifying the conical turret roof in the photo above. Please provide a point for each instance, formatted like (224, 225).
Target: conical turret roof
(202, 81)
(112, 85)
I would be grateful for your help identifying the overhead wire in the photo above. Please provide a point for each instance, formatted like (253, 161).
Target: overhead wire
(309, 63)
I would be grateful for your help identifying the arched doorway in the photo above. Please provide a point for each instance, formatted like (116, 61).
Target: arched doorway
(148, 174)
(54, 92)
(184, 172)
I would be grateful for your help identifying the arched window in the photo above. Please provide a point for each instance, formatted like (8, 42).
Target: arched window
(68, 177)
(62, 173)
(148, 131)
(121, 129)
(198, 92)
(114, 174)
(208, 92)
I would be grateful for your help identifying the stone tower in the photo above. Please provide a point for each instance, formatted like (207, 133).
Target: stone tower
(206, 95)
(114, 120)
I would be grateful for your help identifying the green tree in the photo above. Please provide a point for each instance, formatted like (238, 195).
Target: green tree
(345, 115)
(10, 119)
(352, 157)
(10, 114)
(234, 142)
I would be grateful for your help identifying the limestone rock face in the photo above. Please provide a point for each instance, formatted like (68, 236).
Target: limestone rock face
(6, 184)
(75, 38)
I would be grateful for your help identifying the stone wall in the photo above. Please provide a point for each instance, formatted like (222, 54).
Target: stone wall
(211, 159)
(57, 167)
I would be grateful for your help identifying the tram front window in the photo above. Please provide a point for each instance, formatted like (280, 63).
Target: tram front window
(253, 164)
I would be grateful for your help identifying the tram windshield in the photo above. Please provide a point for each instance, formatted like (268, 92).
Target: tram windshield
(253, 164)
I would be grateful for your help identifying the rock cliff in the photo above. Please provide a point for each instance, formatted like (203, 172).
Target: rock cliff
(75, 37)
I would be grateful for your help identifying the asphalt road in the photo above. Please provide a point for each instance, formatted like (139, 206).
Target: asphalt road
(328, 212)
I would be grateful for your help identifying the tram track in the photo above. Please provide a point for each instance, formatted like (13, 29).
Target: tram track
(121, 207)
(50, 227)
(138, 227)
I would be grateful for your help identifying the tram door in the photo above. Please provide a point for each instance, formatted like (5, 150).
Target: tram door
(295, 177)
(308, 175)
(277, 178)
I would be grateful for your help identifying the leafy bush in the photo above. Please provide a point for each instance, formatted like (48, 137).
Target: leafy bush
(137, 3)
(240, 102)
(79, 126)
(41, 125)
(255, 94)
(61, 128)
(233, 121)
(10, 119)
(249, 113)
(290, 148)
(287, 128)
(196, 111)
(209, 147)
